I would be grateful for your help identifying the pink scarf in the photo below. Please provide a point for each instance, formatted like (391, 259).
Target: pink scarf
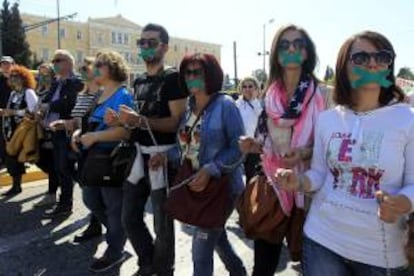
(288, 134)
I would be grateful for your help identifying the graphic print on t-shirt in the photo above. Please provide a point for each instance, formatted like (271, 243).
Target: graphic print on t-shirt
(355, 164)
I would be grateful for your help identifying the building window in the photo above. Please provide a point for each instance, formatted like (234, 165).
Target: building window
(62, 33)
(44, 30)
(128, 57)
(119, 41)
(126, 39)
(79, 56)
(113, 38)
(100, 39)
(79, 35)
(45, 54)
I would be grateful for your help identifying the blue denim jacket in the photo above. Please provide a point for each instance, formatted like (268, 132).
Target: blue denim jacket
(221, 127)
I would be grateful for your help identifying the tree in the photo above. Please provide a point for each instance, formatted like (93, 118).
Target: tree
(406, 73)
(260, 75)
(13, 36)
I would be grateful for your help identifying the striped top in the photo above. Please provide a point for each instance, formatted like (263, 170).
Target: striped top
(84, 103)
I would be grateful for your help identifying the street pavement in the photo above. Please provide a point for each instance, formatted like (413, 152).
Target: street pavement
(31, 245)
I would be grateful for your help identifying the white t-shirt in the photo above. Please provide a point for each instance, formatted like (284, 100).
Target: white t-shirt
(250, 112)
(354, 156)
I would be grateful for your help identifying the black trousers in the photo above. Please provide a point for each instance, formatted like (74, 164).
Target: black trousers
(266, 258)
(252, 160)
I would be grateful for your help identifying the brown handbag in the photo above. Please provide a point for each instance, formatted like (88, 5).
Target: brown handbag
(206, 209)
(260, 214)
(262, 217)
(409, 246)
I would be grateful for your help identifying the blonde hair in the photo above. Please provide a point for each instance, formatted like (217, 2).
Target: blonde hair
(250, 79)
(66, 54)
(118, 68)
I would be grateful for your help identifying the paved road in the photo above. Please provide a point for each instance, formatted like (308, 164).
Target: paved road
(30, 245)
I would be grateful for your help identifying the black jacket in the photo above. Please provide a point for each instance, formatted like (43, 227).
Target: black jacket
(5, 91)
(64, 105)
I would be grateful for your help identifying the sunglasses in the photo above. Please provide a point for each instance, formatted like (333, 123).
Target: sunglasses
(83, 68)
(57, 60)
(151, 42)
(298, 44)
(195, 72)
(247, 86)
(99, 64)
(382, 57)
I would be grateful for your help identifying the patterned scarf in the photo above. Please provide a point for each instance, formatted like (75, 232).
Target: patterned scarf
(289, 128)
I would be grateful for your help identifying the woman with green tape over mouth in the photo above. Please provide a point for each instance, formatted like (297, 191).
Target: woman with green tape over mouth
(362, 174)
(284, 137)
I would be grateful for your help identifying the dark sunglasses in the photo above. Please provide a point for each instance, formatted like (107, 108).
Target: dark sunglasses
(247, 86)
(83, 68)
(298, 44)
(57, 60)
(151, 43)
(99, 64)
(382, 57)
(195, 72)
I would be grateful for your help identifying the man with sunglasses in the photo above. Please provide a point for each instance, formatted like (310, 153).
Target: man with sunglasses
(6, 64)
(159, 104)
(58, 105)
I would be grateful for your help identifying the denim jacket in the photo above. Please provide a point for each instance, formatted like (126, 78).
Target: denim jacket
(221, 127)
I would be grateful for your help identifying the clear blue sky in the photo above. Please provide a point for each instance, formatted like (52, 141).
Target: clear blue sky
(329, 22)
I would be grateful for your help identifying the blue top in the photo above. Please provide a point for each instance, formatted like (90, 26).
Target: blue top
(121, 96)
(221, 127)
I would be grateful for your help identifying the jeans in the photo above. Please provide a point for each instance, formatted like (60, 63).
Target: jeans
(64, 166)
(266, 257)
(320, 261)
(205, 241)
(106, 204)
(154, 254)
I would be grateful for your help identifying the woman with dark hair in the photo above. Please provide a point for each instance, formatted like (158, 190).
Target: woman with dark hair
(285, 137)
(213, 125)
(101, 195)
(362, 168)
(22, 102)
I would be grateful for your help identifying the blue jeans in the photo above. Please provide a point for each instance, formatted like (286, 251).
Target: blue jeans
(106, 204)
(205, 241)
(320, 261)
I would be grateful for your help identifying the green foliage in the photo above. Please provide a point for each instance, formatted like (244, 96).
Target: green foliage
(406, 73)
(13, 36)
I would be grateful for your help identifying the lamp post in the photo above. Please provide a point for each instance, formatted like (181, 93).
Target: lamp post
(264, 52)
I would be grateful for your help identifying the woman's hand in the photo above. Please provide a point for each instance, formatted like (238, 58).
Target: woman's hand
(75, 140)
(156, 161)
(111, 118)
(391, 208)
(287, 179)
(291, 159)
(200, 181)
(129, 117)
(88, 139)
(249, 145)
(57, 125)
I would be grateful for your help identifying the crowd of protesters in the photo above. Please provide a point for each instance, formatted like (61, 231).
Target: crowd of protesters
(339, 162)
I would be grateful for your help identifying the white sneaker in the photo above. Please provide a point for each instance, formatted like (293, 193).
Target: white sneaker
(48, 199)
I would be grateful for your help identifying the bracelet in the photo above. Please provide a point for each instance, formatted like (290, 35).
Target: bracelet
(301, 183)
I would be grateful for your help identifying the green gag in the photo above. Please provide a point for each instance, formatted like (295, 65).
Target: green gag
(56, 68)
(96, 72)
(286, 58)
(85, 77)
(195, 83)
(147, 53)
(366, 76)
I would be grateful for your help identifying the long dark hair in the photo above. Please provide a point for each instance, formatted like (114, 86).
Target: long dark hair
(342, 94)
(276, 70)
